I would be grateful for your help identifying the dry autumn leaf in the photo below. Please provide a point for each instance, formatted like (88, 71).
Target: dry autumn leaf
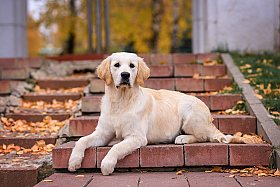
(47, 180)
(246, 81)
(79, 176)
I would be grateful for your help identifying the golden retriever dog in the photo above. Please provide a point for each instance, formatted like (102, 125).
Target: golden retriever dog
(139, 116)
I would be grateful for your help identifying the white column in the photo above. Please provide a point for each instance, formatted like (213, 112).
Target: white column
(13, 21)
(198, 36)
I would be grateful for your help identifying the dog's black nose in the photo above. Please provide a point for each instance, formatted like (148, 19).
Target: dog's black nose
(125, 75)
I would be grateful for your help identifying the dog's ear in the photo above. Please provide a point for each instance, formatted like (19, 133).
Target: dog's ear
(104, 72)
(143, 72)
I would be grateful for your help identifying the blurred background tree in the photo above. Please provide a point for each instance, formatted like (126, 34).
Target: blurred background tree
(135, 26)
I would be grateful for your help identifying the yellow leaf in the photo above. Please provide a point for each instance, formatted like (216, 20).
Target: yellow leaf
(179, 173)
(47, 180)
(277, 172)
(15, 160)
(19, 152)
(246, 81)
(208, 171)
(79, 176)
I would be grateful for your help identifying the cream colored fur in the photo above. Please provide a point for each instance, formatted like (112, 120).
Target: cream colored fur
(139, 116)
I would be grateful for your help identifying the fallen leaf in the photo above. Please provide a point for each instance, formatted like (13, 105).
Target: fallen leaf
(47, 180)
(246, 81)
(277, 172)
(217, 169)
(15, 160)
(208, 171)
(79, 176)
(179, 173)
(246, 175)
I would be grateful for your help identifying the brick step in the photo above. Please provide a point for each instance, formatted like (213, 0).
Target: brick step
(162, 179)
(178, 84)
(91, 104)
(15, 73)
(186, 70)
(5, 87)
(18, 176)
(48, 97)
(32, 62)
(171, 155)
(58, 83)
(228, 124)
(27, 142)
(35, 117)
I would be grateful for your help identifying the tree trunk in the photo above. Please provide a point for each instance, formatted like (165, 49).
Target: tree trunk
(70, 42)
(157, 12)
(174, 39)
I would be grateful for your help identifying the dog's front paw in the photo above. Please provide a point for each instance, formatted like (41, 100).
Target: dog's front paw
(74, 163)
(107, 166)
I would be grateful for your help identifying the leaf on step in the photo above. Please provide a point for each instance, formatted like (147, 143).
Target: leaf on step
(246, 81)
(47, 180)
(79, 176)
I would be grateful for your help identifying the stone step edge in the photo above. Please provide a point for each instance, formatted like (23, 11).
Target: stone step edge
(214, 102)
(178, 84)
(48, 97)
(171, 155)
(228, 124)
(27, 142)
(62, 83)
(18, 176)
(35, 117)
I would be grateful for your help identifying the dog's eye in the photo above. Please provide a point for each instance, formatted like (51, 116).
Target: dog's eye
(117, 65)
(131, 65)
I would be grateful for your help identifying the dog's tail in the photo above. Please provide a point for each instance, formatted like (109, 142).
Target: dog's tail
(222, 138)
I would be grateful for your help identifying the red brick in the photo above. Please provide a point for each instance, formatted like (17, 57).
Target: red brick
(249, 154)
(146, 57)
(18, 176)
(204, 98)
(189, 84)
(183, 58)
(162, 179)
(33, 62)
(224, 102)
(14, 73)
(35, 117)
(61, 155)
(161, 83)
(156, 59)
(198, 179)
(216, 84)
(8, 62)
(210, 56)
(230, 124)
(116, 179)
(48, 97)
(186, 70)
(129, 161)
(161, 70)
(62, 83)
(5, 87)
(91, 104)
(217, 70)
(206, 154)
(83, 126)
(215, 121)
(161, 155)
(66, 179)
(97, 86)
(26, 142)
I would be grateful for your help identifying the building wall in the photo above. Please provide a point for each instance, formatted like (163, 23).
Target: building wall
(13, 21)
(250, 25)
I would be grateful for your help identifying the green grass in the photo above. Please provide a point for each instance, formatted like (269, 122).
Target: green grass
(263, 72)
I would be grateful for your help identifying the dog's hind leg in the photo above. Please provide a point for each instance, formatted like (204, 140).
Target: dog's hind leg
(185, 139)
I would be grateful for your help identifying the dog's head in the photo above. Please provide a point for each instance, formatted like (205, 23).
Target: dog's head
(125, 69)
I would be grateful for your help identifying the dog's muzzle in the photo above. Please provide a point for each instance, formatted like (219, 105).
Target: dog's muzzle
(125, 79)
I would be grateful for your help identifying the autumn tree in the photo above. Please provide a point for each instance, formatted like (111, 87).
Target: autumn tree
(34, 37)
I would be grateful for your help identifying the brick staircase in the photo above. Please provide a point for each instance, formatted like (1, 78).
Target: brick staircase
(173, 72)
